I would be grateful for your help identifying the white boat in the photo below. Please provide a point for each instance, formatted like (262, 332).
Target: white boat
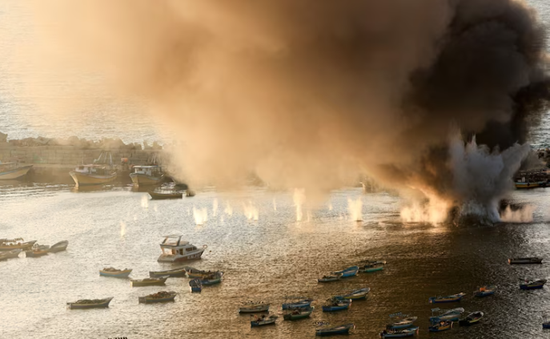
(59, 247)
(12, 170)
(254, 307)
(175, 249)
(147, 175)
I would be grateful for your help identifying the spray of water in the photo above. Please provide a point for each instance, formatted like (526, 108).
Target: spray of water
(200, 215)
(299, 198)
(215, 207)
(145, 202)
(250, 211)
(522, 215)
(355, 209)
(228, 209)
(122, 229)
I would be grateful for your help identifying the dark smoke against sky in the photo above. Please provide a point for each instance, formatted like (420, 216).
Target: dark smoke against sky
(310, 93)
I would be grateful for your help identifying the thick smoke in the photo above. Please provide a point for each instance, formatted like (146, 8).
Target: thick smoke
(309, 93)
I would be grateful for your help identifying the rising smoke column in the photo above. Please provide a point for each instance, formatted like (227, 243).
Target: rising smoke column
(310, 93)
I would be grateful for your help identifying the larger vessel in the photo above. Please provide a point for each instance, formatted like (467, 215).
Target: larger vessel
(99, 173)
(175, 249)
(147, 175)
(12, 170)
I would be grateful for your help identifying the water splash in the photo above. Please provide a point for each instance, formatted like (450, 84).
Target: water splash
(522, 215)
(228, 209)
(355, 209)
(299, 198)
(433, 211)
(200, 215)
(250, 211)
(329, 205)
(145, 202)
(215, 207)
(122, 229)
(274, 205)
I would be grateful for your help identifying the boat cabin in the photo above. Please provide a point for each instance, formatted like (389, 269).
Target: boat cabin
(175, 249)
(93, 169)
(152, 171)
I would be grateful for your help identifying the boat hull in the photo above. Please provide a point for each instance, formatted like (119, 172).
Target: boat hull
(374, 269)
(139, 179)
(177, 258)
(176, 273)
(269, 321)
(15, 173)
(23, 246)
(149, 300)
(120, 274)
(10, 254)
(141, 283)
(59, 247)
(35, 254)
(335, 308)
(302, 315)
(527, 185)
(254, 309)
(82, 179)
(449, 299)
(524, 261)
(104, 304)
(344, 329)
(304, 304)
(164, 196)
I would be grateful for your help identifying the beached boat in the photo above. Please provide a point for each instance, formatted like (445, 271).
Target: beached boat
(348, 272)
(254, 307)
(485, 291)
(330, 278)
(212, 279)
(371, 268)
(148, 282)
(17, 243)
(532, 285)
(342, 329)
(355, 295)
(400, 320)
(13, 170)
(147, 175)
(297, 304)
(403, 333)
(175, 249)
(335, 305)
(36, 252)
(10, 254)
(195, 285)
(59, 247)
(159, 297)
(441, 326)
(472, 318)
(263, 320)
(115, 273)
(525, 261)
(93, 174)
(298, 313)
(165, 195)
(174, 273)
(90, 303)
(447, 299)
(446, 315)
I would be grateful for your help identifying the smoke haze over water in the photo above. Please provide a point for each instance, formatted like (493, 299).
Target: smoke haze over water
(313, 93)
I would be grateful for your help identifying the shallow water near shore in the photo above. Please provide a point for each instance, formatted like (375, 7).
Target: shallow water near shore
(269, 259)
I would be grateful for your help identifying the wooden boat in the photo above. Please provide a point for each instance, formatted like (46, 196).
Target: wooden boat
(10, 254)
(115, 273)
(35, 253)
(17, 243)
(371, 268)
(90, 303)
(441, 326)
(342, 329)
(485, 291)
(400, 320)
(471, 319)
(93, 174)
(403, 333)
(159, 297)
(175, 249)
(147, 175)
(298, 313)
(297, 304)
(263, 321)
(166, 195)
(330, 278)
(355, 295)
(254, 307)
(348, 272)
(374, 262)
(12, 170)
(196, 286)
(446, 315)
(533, 184)
(546, 325)
(148, 282)
(532, 285)
(212, 279)
(176, 272)
(335, 305)
(59, 247)
(447, 299)
(525, 261)
(192, 273)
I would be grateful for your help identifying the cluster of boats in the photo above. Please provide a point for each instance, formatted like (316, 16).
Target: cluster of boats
(367, 267)
(11, 248)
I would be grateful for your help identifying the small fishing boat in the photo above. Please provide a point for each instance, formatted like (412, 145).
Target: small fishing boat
(525, 261)
(147, 175)
(446, 315)
(17, 243)
(175, 249)
(400, 320)
(165, 195)
(90, 303)
(337, 305)
(12, 170)
(36, 252)
(93, 174)
(212, 279)
(447, 299)
(533, 184)
(342, 329)
(148, 282)
(191, 273)
(330, 278)
(196, 286)
(348, 272)
(59, 247)
(371, 268)
(403, 333)
(546, 325)
(472, 318)
(254, 307)
(298, 313)
(263, 320)
(159, 297)
(297, 304)
(10, 254)
(115, 273)
(485, 291)
(175, 273)
(441, 326)
(532, 285)
(355, 295)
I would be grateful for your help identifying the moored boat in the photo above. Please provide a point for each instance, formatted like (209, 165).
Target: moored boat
(148, 282)
(93, 174)
(531, 184)
(147, 175)
(175, 249)
(525, 261)
(10, 254)
(403, 333)
(165, 195)
(17, 243)
(355, 295)
(335, 305)
(297, 304)
(212, 279)
(441, 326)
(59, 246)
(371, 268)
(36, 252)
(342, 329)
(13, 170)
(472, 318)
(532, 285)
(159, 297)
(254, 307)
(174, 273)
(485, 291)
(263, 320)
(195, 285)
(115, 273)
(90, 303)
(298, 313)
(191, 273)
(400, 320)
(330, 278)
(348, 272)
(447, 299)
(446, 315)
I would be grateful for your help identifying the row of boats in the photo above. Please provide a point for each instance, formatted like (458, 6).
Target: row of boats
(12, 248)
(368, 267)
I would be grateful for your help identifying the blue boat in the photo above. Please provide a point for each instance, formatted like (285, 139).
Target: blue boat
(342, 329)
(447, 299)
(532, 285)
(355, 295)
(400, 320)
(348, 272)
(298, 304)
(446, 315)
(196, 286)
(485, 291)
(263, 321)
(546, 325)
(441, 326)
(212, 279)
(404, 333)
(337, 305)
